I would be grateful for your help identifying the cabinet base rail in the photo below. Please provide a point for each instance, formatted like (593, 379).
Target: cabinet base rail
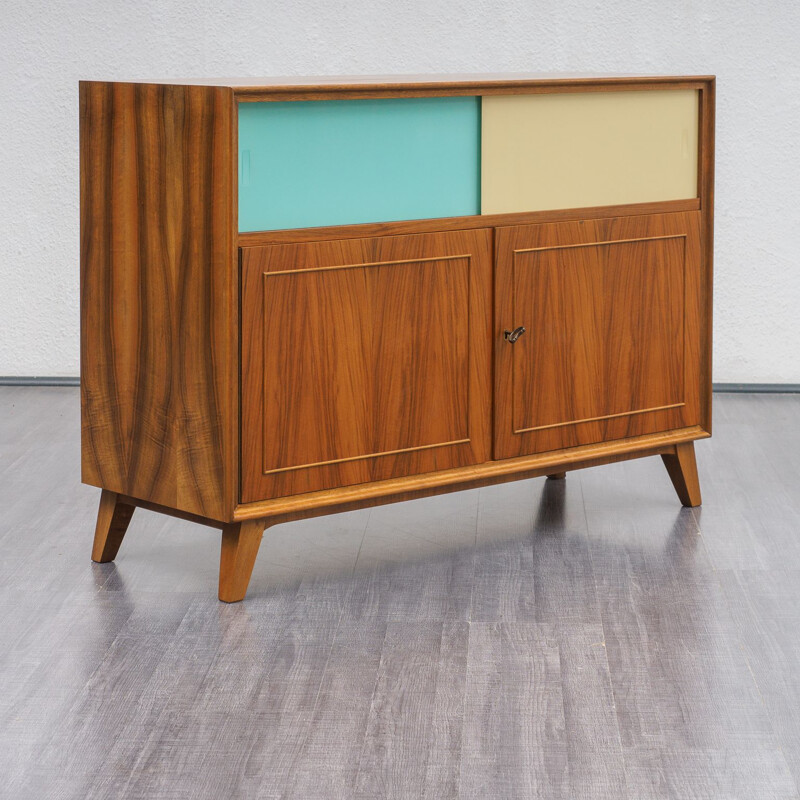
(241, 538)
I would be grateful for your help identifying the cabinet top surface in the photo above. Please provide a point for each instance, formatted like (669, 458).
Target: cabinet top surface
(463, 82)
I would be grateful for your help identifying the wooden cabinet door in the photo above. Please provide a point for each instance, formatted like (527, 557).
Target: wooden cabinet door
(612, 347)
(364, 359)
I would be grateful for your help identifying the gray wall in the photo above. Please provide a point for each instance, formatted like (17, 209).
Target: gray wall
(45, 48)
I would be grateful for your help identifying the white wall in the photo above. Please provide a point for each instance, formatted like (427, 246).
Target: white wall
(753, 48)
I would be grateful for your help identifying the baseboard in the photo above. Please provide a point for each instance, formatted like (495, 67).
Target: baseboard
(757, 388)
(38, 381)
(721, 388)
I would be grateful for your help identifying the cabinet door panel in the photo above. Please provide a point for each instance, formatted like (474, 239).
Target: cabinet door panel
(363, 360)
(611, 349)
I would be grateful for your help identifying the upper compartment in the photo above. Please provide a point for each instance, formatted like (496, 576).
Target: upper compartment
(583, 149)
(338, 162)
(307, 163)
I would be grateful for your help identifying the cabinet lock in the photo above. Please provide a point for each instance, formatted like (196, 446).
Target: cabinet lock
(512, 336)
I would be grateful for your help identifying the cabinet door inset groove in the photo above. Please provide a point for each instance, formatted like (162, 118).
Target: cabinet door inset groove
(368, 293)
(604, 416)
(365, 455)
(594, 244)
(373, 264)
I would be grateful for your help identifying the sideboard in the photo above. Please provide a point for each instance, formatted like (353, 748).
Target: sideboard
(305, 296)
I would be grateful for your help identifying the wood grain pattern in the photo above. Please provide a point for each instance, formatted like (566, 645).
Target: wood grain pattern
(682, 468)
(159, 294)
(347, 87)
(416, 712)
(765, 603)
(348, 498)
(240, 543)
(515, 743)
(113, 517)
(172, 512)
(706, 191)
(433, 80)
(612, 311)
(364, 360)
(257, 238)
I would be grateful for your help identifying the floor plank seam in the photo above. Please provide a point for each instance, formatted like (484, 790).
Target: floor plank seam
(462, 739)
(743, 649)
(612, 693)
(361, 543)
(143, 749)
(474, 551)
(48, 741)
(311, 716)
(464, 707)
(369, 712)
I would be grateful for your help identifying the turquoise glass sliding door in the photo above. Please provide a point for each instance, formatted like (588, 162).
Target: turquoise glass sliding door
(340, 162)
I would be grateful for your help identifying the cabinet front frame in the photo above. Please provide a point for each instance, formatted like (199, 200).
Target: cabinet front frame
(482, 474)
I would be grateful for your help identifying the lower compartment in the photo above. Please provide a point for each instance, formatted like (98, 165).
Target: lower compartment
(382, 358)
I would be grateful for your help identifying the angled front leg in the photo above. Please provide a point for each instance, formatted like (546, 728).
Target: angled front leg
(240, 543)
(682, 468)
(113, 518)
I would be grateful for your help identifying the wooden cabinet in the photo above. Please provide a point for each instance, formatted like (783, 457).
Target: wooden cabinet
(305, 297)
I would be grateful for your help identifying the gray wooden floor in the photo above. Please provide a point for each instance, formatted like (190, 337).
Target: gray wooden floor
(585, 638)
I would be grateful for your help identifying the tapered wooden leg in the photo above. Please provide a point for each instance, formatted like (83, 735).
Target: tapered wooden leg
(240, 543)
(113, 518)
(557, 476)
(682, 468)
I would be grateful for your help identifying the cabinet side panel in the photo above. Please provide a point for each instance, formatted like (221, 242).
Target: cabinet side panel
(159, 295)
